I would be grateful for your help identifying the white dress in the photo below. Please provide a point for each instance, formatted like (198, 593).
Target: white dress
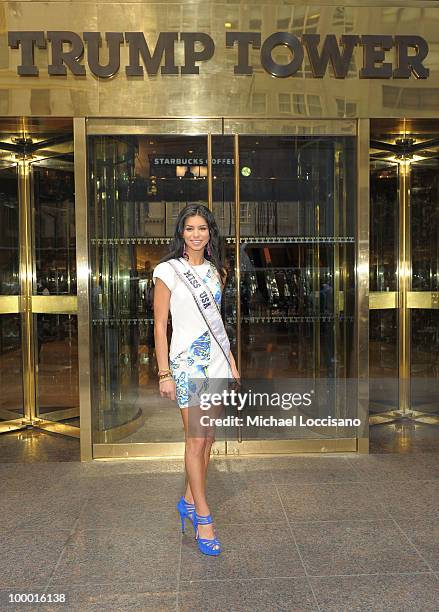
(194, 354)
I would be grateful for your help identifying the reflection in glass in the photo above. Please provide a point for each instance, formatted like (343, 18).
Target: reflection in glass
(11, 397)
(384, 215)
(297, 227)
(9, 224)
(11, 366)
(297, 255)
(56, 361)
(138, 186)
(424, 369)
(223, 173)
(424, 207)
(383, 360)
(55, 240)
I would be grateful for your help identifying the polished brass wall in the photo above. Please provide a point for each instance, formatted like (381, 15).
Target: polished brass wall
(216, 91)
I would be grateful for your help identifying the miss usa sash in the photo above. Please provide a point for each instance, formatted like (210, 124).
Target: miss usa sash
(205, 302)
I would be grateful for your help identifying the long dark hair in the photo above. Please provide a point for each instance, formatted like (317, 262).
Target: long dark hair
(216, 244)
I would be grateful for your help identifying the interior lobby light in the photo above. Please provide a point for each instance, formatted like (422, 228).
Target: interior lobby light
(405, 159)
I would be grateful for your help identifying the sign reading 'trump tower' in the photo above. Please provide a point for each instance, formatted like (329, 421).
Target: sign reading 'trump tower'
(383, 56)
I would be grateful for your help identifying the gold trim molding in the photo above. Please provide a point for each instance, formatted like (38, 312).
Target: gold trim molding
(285, 447)
(59, 428)
(9, 304)
(122, 431)
(234, 449)
(423, 299)
(12, 425)
(191, 126)
(383, 299)
(55, 304)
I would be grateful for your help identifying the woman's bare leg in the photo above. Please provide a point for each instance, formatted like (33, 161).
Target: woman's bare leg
(210, 439)
(207, 450)
(195, 464)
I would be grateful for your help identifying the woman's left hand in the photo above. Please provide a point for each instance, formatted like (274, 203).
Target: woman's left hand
(235, 373)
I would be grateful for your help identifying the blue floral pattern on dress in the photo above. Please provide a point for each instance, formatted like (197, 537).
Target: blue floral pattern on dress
(190, 366)
(214, 285)
(181, 388)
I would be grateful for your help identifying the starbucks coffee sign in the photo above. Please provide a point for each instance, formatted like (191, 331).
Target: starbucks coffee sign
(380, 56)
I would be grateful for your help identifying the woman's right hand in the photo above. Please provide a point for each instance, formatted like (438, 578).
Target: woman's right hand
(167, 389)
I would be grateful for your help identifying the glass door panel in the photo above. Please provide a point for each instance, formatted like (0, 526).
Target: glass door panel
(9, 232)
(384, 192)
(297, 220)
(11, 372)
(423, 299)
(54, 296)
(424, 369)
(424, 212)
(57, 367)
(11, 365)
(383, 363)
(383, 287)
(224, 209)
(54, 228)
(139, 184)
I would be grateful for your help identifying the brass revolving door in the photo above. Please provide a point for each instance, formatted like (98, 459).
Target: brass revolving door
(38, 323)
(404, 271)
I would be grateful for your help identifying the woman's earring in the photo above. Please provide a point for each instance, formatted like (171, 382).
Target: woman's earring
(209, 250)
(185, 255)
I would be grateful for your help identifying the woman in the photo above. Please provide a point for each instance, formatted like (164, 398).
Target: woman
(189, 283)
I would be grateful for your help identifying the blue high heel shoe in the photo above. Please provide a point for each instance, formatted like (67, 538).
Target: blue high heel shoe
(186, 511)
(207, 547)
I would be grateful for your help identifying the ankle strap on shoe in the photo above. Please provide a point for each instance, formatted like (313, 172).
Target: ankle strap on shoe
(203, 520)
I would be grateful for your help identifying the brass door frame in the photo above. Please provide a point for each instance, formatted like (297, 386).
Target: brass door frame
(27, 304)
(404, 284)
(211, 127)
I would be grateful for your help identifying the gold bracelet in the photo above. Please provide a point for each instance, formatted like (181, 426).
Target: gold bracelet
(165, 379)
(163, 373)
